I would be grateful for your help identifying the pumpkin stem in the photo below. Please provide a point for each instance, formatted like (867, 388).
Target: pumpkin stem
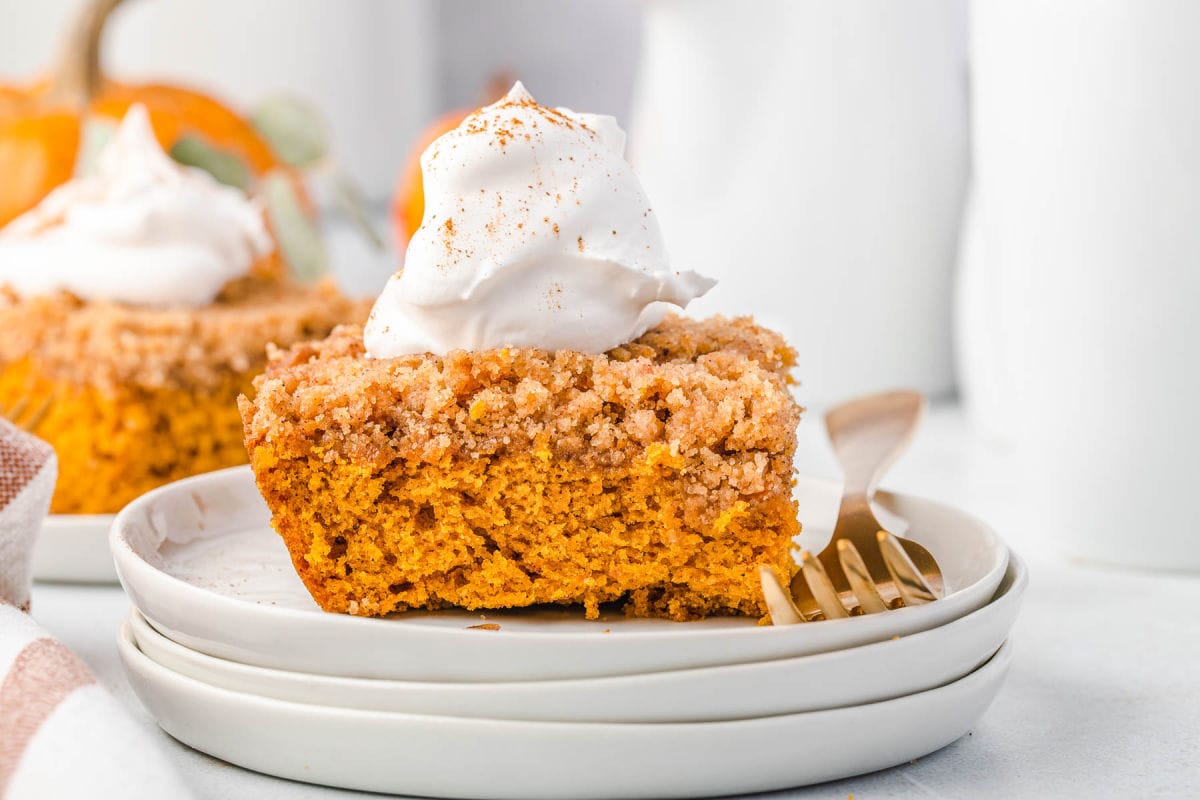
(77, 77)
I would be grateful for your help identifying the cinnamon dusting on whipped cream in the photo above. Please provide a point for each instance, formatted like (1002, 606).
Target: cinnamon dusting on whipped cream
(511, 196)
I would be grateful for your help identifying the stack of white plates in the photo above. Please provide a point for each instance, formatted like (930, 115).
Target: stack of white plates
(230, 654)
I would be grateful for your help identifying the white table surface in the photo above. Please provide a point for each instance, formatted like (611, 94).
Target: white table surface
(1103, 699)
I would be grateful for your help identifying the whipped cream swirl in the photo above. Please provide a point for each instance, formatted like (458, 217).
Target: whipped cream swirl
(537, 233)
(143, 230)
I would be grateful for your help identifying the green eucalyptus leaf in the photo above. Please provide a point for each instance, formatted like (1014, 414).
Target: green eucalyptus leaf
(226, 167)
(297, 236)
(97, 132)
(294, 129)
(353, 202)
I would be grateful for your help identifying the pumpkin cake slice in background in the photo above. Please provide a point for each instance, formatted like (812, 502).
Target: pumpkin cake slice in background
(520, 421)
(136, 303)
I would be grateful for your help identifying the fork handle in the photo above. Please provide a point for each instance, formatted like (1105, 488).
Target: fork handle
(869, 434)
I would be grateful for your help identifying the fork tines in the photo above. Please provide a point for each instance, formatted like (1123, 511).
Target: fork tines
(869, 599)
(910, 585)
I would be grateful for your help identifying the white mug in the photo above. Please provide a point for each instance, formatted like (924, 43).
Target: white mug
(1080, 315)
(812, 157)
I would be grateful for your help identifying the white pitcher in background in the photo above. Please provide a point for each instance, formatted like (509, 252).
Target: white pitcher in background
(1080, 314)
(812, 156)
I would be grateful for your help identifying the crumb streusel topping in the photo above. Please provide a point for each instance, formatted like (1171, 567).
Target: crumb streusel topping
(658, 474)
(110, 344)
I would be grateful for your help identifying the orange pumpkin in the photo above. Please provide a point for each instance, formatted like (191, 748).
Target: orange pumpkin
(41, 123)
(408, 205)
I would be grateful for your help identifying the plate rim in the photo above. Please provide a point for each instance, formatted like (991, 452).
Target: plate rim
(127, 558)
(66, 520)
(136, 619)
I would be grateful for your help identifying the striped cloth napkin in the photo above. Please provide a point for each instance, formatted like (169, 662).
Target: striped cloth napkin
(61, 734)
(28, 468)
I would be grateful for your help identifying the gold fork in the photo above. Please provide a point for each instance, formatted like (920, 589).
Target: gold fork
(25, 413)
(865, 569)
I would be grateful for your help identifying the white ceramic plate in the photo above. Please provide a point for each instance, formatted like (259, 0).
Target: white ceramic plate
(866, 674)
(435, 756)
(200, 561)
(74, 548)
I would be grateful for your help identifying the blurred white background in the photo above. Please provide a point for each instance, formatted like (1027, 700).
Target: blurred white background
(816, 156)
(379, 69)
(809, 155)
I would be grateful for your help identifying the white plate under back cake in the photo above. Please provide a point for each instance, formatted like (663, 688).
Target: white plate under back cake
(74, 548)
(200, 561)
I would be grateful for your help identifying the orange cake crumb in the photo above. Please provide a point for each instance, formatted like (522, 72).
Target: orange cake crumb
(134, 397)
(658, 474)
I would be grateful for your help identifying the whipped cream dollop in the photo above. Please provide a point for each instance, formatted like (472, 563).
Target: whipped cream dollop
(143, 229)
(537, 233)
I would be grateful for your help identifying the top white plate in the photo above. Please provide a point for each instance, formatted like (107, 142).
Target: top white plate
(200, 561)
